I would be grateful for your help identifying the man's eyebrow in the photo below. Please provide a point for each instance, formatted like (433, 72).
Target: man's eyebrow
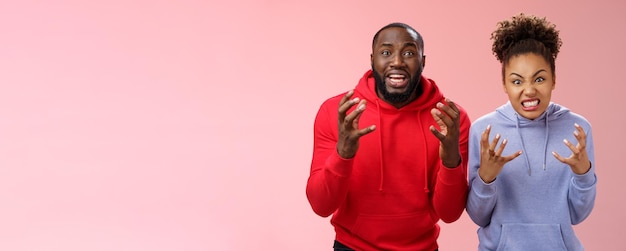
(411, 44)
(406, 44)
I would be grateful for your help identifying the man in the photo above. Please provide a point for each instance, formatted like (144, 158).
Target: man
(390, 156)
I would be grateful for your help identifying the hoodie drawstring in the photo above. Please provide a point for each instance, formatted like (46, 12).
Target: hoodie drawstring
(545, 145)
(380, 142)
(519, 132)
(419, 120)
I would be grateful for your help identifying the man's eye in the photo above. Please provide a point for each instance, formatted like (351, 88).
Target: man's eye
(409, 53)
(386, 53)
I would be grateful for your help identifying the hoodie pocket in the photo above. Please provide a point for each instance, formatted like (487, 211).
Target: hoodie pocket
(400, 229)
(536, 237)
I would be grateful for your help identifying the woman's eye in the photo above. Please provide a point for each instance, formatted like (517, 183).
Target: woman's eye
(539, 79)
(517, 82)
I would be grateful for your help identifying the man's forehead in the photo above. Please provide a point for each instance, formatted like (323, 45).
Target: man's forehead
(412, 33)
(393, 31)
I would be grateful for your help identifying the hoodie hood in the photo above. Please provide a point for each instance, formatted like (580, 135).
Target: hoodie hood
(553, 112)
(428, 99)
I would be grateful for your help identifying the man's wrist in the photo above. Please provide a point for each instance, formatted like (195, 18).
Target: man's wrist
(451, 164)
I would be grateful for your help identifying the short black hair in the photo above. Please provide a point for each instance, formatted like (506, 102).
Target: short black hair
(419, 39)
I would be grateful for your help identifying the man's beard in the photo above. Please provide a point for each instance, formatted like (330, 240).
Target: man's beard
(397, 98)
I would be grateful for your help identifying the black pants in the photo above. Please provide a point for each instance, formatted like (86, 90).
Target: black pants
(338, 246)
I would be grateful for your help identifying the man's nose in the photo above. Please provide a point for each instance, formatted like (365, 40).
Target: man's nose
(397, 60)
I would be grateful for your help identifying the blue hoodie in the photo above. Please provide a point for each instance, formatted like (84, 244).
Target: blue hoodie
(535, 199)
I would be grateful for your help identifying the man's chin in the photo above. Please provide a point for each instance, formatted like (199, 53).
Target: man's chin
(396, 90)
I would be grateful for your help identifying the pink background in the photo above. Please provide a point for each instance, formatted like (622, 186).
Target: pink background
(187, 125)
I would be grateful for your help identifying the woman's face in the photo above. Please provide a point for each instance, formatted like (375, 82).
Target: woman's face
(529, 81)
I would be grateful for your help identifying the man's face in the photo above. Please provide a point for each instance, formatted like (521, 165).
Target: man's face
(397, 63)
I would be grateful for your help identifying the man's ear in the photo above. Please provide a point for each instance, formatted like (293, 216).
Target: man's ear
(423, 61)
(371, 58)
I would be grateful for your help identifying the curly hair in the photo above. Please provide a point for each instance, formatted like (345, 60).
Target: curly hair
(526, 34)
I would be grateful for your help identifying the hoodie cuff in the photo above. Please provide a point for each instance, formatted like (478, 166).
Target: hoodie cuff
(586, 180)
(338, 165)
(483, 189)
(451, 176)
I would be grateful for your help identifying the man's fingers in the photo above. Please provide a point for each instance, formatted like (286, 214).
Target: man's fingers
(366, 130)
(438, 117)
(452, 105)
(446, 114)
(346, 97)
(352, 116)
(449, 109)
(357, 114)
(437, 134)
(351, 121)
(343, 108)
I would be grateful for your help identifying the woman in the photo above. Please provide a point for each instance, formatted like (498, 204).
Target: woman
(520, 197)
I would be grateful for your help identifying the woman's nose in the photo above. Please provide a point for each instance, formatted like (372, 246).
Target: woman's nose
(530, 90)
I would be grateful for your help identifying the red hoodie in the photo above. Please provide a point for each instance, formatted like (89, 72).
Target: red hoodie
(392, 193)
